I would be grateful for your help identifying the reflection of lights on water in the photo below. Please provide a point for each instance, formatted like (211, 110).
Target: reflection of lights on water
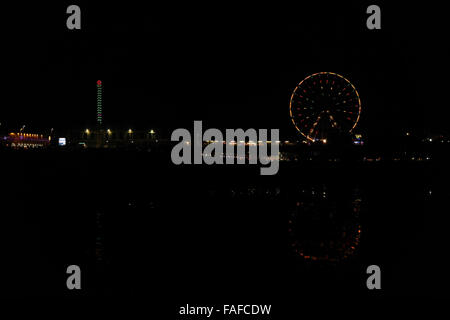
(99, 241)
(343, 249)
(338, 234)
(255, 192)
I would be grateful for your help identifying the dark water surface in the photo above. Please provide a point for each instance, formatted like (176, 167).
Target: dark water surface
(137, 226)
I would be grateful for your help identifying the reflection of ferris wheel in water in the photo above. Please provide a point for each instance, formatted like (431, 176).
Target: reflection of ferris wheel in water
(324, 102)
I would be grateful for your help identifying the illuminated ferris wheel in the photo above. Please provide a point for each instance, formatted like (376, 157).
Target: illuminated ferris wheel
(324, 102)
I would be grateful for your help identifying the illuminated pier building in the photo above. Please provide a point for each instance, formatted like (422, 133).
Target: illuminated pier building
(26, 140)
(116, 138)
(102, 137)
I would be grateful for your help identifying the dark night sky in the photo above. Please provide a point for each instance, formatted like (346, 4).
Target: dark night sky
(226, 65)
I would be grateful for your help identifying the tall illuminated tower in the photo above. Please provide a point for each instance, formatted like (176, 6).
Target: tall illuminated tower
(99, 102)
